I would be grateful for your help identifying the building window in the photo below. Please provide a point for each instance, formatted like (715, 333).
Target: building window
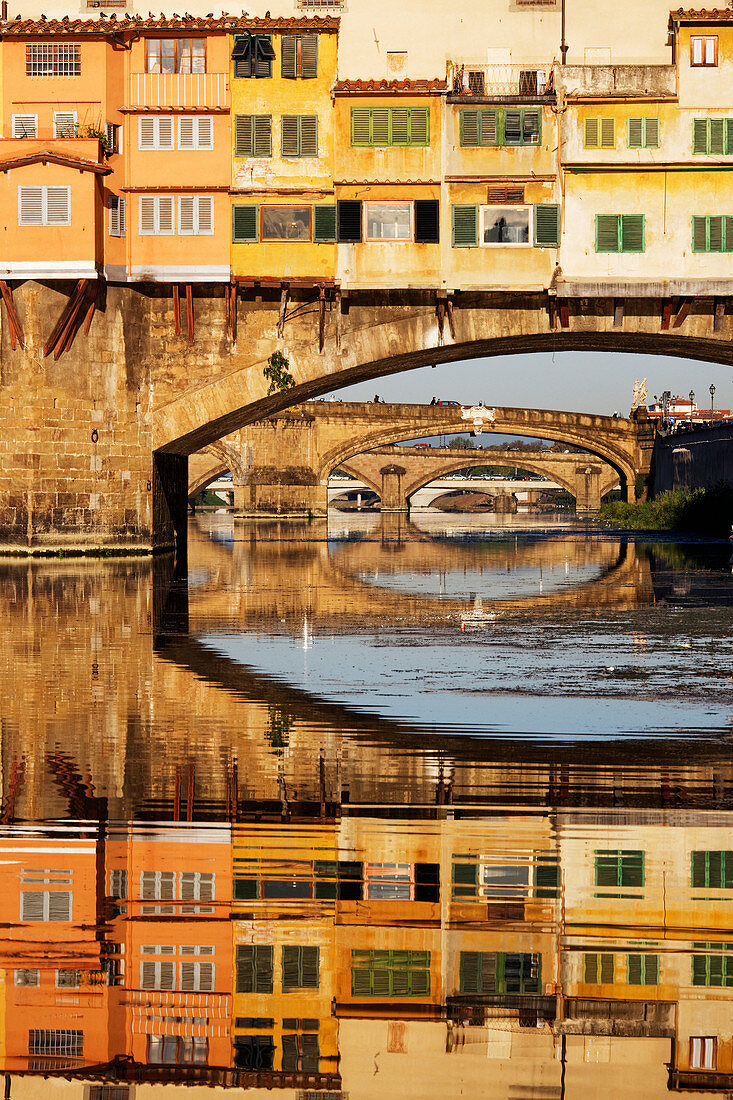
(25, 126)
(158, 974)
(196, 218)
(643, 133)
(712, 136)
(175, 55)
(599, 133)
(499, 972)
(385, 126)
(620, 233)
(522, 127)
(349, 231)
(28, 977)
(505, 225)
(254, 1052)
(155, 132)
(156, 216)
(245, 224)
(285, 223)
(300, 967)
(494, 126)
(299, 136)
(118, 228)
(199, 885)
(301, 1054)
(479, 127)
(254, 968)
(464, 229)
(299, 56)
(253, 55)
(58, 1043)
(195, 132)
(712, 233)
(51, 59)
(599, 968)
(157, 219)
(112, 134)
(64, 124)
(390, 973)
(253, 136)
(45, 905)
(703, 1052)
(68, 979)
(642, 969)
(427, 221)
(714, 869)
(388, 221)
(704, 50)
(118, 876)
(196, 977)
(712, 970)
(175, 1050)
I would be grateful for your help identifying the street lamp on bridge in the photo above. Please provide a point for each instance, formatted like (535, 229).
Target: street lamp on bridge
(692, 402)
(712, 401)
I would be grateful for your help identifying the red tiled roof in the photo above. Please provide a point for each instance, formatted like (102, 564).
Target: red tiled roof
(390, 87)
(110, 25)
(68, 160)
(701, 15)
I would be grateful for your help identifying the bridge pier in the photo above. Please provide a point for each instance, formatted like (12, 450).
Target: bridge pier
(587, 489)
(505, 504)
(393, 493)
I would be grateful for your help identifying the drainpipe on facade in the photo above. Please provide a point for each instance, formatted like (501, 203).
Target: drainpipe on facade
(563, 43)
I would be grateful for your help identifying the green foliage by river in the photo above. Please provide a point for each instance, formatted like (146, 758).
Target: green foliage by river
(698, 511)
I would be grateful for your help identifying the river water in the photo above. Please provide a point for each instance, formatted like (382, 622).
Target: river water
(386, 808)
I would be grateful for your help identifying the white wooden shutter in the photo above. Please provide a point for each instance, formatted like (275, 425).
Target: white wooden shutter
(186, 219)
(146, 133)
(114, 216)
(147, 226)
(186, 126)
(25, 126)
(110, 130)
(59, 905)
(205, 218)
(30, 206)
(205, 132)
(64, 124)
(165, 225)
(122, 216)
(32, 904)
(58, 206)
(165, 132)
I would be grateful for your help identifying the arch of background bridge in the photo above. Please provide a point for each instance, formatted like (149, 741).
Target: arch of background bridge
(523, 463)
(205, 414)
(359, 475)
(205, 479)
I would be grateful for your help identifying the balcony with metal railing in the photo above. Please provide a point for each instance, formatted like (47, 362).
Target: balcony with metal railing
(208, 91)
(505, 82)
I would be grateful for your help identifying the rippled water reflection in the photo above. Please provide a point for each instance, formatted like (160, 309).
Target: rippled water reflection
(430, 811)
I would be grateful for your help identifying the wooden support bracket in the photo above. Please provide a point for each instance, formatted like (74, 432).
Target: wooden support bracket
(189, 311)
(76, 295)
(284, 291)
(666, 313)
(451, 318)
(564, 313)
(618, 313)
(440, 312)
(176, 310)
(682, 312)
(718, 314)
(231, 310)
(339, 311)
(321, 317)
(344, 296)
(90, 309)
(16, 329)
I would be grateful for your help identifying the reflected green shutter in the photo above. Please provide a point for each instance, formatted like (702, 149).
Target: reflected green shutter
(465, 226)
(244, 224)
(547, 225)
(324, 224)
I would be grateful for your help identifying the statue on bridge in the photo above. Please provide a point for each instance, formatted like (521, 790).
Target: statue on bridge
(638, 400)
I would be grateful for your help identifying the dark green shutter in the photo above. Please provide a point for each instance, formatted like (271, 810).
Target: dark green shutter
(465, 879)
(349, 220)
(289, 134)
(262, 141)
(309, 56)
(308, 135)
(547, 226)
(324, 231)
(634, 970)
(469, 123)
(243, 135)
(287, 56)
(263, 55)
(699, 244)
(547, 879)
(632, 863)
(717, 136)
(512, 127)
(419, 125)
(361, 129)
(427, 228)
(715, 244)
(700, 135)
(464, 226)
(244, 224)
(635, 133)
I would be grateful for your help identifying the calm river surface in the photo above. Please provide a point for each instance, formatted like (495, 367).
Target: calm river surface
(381, 809)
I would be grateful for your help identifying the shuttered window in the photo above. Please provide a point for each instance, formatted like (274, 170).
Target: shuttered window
(349, 220)
(196, 977)
(44, 206)
(301, 1054)
(157, 974)
(254, 968)
(64, 124)
(599, 133)
(599, 968)
(386, 126)
(198, 885)
(196, 132)
(196, 217)
(522, 127)
(112, 132)
(713, 869)
(712, 970)
(25, 126)
(620, 233)
(464, 227)
(245, 223)
(299, 56)
(480, 127)
(619, 868)
(704, 50)
(324, 224)
(155, 132)
(157, 219)
(253, 55)
(547, 225)
(45, 905)
(390, 973)
(642, 969)
(299, 136)
(499, 972)
(703, 1052)
(712, 136)
(253, 136)
(427, 221)
(300, 967)
(117, 228)
(643, 133)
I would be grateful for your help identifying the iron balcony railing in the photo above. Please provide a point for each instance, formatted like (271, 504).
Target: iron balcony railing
(500, 80)
(179, 90)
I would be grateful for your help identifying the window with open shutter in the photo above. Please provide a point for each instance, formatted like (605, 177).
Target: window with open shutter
(324, 224)
(117, 228)
(349, 220)
(464, 224)
(309, 56)
(427, 221)
(288, 56)
(25, 126)
(547, 225)
(245, 221)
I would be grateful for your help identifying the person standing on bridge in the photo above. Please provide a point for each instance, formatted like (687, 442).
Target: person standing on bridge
(376, 398)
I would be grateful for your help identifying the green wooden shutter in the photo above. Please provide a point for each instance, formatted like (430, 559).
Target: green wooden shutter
(547, 225)
(607, 234)
(244, 224)
(400, 128)
(512, 127)
(634, 970)
(699, 244)
(243, 136)
(700, 135)
(465, 226)
(308, 135)
(607, 969)
(361, 130)
(635, 134)
(591, 133)
(419, 126)
(699, 969)
(361, 982)
(287, 56)
(590, 969)
(652, 133)
(488, 127)
(380, 126)
(717, 136)
(531, 126)
(608, 133)
(547, 876)
(632, 240)
(469, 123)
(729, 136)
(697, 870)
(290, 130)
(262, 141)
(309, 56)
(715, 244)
(324, 231)
(465, 878)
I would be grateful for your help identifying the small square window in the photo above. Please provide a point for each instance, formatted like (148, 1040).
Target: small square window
(704, 50)
(505, 225)
(703, 1052)
(286, 223)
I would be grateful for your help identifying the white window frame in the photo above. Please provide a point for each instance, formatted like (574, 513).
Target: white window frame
(113, 130)
(196, 965)
(703, 1052)
(709, 45)
(156, 121)
(196, 126)
(157, 965)
(44, 206)
(46, 905)
(117, 216)
(64, 114)
(390, 240)
(196, 231)
(157, 232)
(504, 244)
(16, 122)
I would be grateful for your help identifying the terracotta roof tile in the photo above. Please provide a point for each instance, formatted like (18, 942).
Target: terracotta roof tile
(701, 15)
(43, 156)
(111, 26)
(390, 87)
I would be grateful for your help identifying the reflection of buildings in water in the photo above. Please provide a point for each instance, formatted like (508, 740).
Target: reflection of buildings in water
(556, 945)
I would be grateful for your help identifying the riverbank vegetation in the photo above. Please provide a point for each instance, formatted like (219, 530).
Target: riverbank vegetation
(696, 511)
